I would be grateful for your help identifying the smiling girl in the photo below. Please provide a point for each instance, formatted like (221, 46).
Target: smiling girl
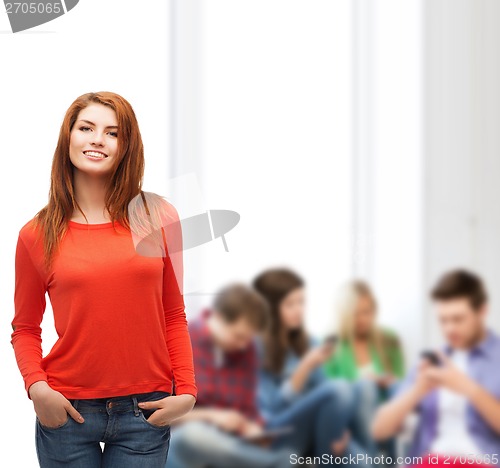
(122, 368)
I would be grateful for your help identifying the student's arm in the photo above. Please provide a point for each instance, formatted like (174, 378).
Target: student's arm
(273, 392)
(485, 404)
(309, 368)
(299, 377)
(318, 375)
(276, 393)
(29, 304)
(390, 416)
(177, 334)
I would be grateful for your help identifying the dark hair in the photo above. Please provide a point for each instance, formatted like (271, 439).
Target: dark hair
(275, 284)
(461, 283)
(238, 300)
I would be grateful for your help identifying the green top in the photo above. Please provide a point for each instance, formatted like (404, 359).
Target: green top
(343, 363)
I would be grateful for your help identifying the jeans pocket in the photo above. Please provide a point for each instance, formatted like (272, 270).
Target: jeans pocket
(144, 414)
(48, 428)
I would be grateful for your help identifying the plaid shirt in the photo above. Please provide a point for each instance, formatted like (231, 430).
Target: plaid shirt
(230, 383)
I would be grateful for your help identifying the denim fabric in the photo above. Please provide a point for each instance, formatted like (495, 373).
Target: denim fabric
(274, 392)
(321, 417)
(200, 444)
(318, 418)
(129, 439)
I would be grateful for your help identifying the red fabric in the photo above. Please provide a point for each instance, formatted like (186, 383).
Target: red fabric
(119, 316)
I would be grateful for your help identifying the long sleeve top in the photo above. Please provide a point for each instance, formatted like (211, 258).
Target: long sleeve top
(275, 392)
(119, 316)
(343, 364)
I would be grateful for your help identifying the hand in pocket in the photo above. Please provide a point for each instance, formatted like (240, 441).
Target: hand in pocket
(51, 407)
(168, 408)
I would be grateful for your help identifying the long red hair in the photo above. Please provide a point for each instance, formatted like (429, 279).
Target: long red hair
(125, 181)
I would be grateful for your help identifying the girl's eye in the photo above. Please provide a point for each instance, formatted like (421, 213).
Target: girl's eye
(84, 129)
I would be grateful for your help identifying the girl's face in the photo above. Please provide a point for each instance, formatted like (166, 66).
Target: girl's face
(292, 309)
(364, 316)
(93, 140)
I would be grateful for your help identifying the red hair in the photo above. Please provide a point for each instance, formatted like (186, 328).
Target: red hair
(125, 182)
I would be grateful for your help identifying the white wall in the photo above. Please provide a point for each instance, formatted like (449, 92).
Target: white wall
(274, 123)
(427, 143)
(422, 130)
(306, 118)
(462, 143)
(388, 183)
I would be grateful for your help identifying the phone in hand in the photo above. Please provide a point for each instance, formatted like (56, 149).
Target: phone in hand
(330, 341)
(431, 356)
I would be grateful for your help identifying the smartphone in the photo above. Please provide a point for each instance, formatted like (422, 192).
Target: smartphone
(269, 434)
(330, 340)
(431, 356)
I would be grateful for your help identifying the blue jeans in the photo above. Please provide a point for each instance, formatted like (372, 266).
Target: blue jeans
(369, 396)
(366, 395)
(199, 444)
(321, 416)
(129, 439)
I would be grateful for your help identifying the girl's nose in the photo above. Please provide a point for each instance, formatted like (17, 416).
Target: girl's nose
(97, 138)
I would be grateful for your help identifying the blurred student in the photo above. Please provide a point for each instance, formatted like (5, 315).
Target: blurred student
(293, 388)
(212, 434)
(366, 353)
(456, 390)
(365, 349)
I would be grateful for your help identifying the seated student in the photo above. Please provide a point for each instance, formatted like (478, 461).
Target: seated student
(366, 352)
(456, 390)
(225, 363)
(293, 388)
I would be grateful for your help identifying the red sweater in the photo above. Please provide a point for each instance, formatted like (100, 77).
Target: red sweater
(119, 316)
